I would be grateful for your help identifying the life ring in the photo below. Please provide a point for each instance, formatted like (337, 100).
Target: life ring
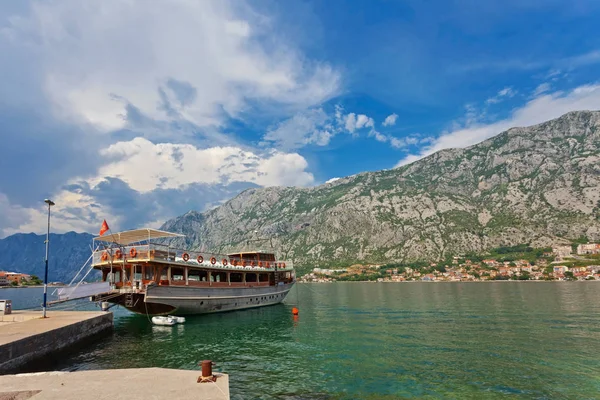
(268, 265)
(118, 253)
(260, 264)
(252, 263)
(185, 256)
(200, 259)
(213, 260)
(282, 265)
(224, 261)
(244, 263)
(235, 263)
(104, 256)
(133, 252)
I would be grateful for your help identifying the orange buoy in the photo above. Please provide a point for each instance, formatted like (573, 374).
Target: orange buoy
(294, 311)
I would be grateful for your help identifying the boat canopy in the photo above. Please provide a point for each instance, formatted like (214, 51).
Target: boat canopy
(134, 236)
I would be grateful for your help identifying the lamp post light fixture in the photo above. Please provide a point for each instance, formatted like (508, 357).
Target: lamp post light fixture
(50, 204)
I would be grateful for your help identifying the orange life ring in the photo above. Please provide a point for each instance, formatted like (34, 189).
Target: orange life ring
(104, 256)
(260, 264)
(224, 261)
(118, 253)
(268, 265)
(133, 252)
(282, 265)
(213, 260)
(185, 256)
(235, 263)
(252, 264)
(200, 259)
(244, 263)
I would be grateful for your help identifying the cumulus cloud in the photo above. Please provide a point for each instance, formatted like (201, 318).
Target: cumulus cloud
(542, 108)
(390, 120)
(354, 122)
(145, 166)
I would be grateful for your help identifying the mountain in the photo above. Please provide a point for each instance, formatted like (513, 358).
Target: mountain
(26, 253)
(538, 185)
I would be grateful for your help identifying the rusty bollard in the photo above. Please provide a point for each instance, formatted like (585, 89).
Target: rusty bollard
(207, 375)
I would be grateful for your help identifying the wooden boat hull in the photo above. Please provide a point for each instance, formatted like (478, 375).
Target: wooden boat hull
(184, 300)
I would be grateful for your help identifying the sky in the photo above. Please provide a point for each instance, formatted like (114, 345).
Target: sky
(137, 112)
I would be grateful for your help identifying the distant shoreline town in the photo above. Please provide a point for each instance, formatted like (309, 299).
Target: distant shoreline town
(577, 262)
(16, 279)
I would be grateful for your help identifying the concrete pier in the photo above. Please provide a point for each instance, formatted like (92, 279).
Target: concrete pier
(26, 337)
(144, 383)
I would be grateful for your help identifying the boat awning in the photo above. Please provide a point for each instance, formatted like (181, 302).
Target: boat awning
(134, 236)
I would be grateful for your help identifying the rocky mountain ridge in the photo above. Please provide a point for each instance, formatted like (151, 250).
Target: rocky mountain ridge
(538, 185)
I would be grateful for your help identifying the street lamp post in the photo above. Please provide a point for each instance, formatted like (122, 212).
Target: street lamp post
(50, 204)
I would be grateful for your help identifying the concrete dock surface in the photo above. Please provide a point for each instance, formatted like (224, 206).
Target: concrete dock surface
(142, 383)
(29, 337)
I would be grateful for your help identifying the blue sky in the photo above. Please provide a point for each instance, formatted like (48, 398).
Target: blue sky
(139, 112)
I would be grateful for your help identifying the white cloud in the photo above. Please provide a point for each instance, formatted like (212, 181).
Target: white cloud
(354, 122)
(390, 120)
(542, 88)
(146, 166)
(306, 127)
(507, 92)
(98, 56)
(540, 109)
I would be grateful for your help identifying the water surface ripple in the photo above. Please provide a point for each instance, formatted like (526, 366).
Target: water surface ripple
(384, 341)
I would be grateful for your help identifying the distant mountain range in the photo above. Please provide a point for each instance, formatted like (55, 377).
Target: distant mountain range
(26, 253)
(538, 185)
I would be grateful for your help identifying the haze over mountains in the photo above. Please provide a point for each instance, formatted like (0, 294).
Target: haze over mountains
(538, 185)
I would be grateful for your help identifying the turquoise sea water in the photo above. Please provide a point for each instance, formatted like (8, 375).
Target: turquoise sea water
(383, 341)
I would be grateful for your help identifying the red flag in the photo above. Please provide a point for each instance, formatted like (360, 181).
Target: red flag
(104, 228)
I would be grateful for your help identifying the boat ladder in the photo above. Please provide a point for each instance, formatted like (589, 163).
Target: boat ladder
(129, 300)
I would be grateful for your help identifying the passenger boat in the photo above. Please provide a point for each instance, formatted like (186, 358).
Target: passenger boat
(146, 275)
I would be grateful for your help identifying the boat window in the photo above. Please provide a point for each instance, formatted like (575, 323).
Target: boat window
(264, 277)
(138, 272)
(219, 276)
(117, 276)
(197, 275)
(148, 273)
(177, 274)
(251, 278)
(163, 274)
(236, 277)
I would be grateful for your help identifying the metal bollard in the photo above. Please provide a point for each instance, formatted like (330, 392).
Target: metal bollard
(207, 375)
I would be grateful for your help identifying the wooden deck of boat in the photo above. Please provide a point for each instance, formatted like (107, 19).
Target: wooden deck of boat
(142, 383)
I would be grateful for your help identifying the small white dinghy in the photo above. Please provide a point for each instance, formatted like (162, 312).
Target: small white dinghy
(179, 320)
(164, 321)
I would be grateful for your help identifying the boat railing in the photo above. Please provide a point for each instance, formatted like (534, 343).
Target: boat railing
(117, 255)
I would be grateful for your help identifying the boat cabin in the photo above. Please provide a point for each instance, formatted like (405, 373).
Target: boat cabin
(138, 258)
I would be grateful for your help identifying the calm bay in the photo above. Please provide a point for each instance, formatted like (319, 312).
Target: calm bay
(529, 340)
